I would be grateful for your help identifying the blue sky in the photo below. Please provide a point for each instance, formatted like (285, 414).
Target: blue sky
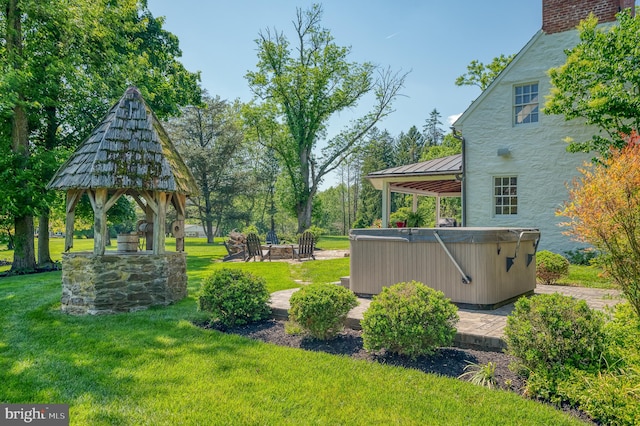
(434, 40)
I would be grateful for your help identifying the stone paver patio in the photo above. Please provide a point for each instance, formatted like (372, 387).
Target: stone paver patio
(477, 329)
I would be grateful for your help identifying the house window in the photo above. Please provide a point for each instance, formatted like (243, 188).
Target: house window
(505, 195)
(526, 103)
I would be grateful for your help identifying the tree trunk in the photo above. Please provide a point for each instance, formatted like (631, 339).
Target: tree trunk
(10, 243)
(304, 215)
(209, 230)
(24, 259)
(44, 255)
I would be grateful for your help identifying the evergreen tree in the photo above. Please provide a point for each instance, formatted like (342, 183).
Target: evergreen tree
(433, 133)
(377, 154)
(409, 147)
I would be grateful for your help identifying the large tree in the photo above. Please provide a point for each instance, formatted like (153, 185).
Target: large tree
(600, 82)
(377, 154)
(409, 147)
(210, 139)
(63, 64)
(15, 169)
(432, 129)
(306, 85)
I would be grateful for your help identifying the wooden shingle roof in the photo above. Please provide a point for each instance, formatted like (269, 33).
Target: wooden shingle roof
(129, 149)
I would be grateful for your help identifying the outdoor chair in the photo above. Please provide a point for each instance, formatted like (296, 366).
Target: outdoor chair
(254, 248)
(305, 247)
(232, 254)
(272, 238)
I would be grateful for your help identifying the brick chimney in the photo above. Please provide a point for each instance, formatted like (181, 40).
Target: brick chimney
(563, 15)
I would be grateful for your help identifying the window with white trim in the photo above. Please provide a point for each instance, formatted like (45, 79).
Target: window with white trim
(505, 195)
(525, 103)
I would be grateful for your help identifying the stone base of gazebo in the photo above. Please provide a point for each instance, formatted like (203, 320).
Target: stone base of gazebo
(117, 282)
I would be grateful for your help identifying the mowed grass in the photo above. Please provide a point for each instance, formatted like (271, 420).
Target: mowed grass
(155, 367)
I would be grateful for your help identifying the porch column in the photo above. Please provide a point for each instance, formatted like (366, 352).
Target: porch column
(414, 207)
(437, 210)
(386, 204)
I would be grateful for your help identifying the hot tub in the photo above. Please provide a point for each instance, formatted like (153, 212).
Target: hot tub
(480, 268)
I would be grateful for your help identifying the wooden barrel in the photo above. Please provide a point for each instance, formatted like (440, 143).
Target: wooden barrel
(128, 242)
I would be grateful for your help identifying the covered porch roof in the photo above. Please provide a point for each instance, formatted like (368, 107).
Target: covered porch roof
(441, 177)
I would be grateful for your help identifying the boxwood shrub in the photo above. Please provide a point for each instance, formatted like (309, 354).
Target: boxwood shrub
(234, 297)
(409, 318)
(550, 267)
(549, 332)
(321, 309)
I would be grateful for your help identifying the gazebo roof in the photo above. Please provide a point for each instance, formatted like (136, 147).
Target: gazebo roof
(440, 176)
(129, 149)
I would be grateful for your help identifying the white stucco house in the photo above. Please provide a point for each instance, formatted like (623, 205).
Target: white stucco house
(514, 168)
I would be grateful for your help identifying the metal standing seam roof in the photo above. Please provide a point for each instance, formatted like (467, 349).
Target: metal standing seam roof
(423, 177)
(129, 149)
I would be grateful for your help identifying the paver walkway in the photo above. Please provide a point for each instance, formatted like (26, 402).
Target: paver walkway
(478, 329)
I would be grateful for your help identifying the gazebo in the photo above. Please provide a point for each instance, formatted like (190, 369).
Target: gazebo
(128, 153)
(441, 177)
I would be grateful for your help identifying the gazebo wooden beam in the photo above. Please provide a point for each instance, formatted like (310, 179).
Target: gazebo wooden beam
(98, 198)
(73, 196)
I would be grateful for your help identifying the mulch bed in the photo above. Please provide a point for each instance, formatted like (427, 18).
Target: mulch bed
(448, 362)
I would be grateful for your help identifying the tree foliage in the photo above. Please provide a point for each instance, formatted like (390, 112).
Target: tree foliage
(600, 82)
(481, 75)
(409, 147)
(433, 132)
(63, 64)
(377, 154)
(604, 210)
(302, 85)
(211, 141)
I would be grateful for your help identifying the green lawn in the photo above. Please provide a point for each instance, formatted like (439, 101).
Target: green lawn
(156, 368)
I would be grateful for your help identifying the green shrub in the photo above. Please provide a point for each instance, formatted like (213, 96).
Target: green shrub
(581, 256)
(234, 297)
(409, 318)
(549, 332)
(610, 395)
(550, 267)
(321, 309)
(611, 398)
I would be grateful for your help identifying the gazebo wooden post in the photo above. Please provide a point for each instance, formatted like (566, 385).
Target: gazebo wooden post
(159, 222)
(73, 196)
(98, 199)
(148, 235)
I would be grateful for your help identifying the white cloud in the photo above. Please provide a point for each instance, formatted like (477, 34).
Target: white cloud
(452, 118)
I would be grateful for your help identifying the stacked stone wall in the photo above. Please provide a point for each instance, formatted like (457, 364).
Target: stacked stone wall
(115, 283)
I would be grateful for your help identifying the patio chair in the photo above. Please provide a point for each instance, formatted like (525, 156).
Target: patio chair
(305, 248)
(254, 248)
(231, 254)
(272, 238)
